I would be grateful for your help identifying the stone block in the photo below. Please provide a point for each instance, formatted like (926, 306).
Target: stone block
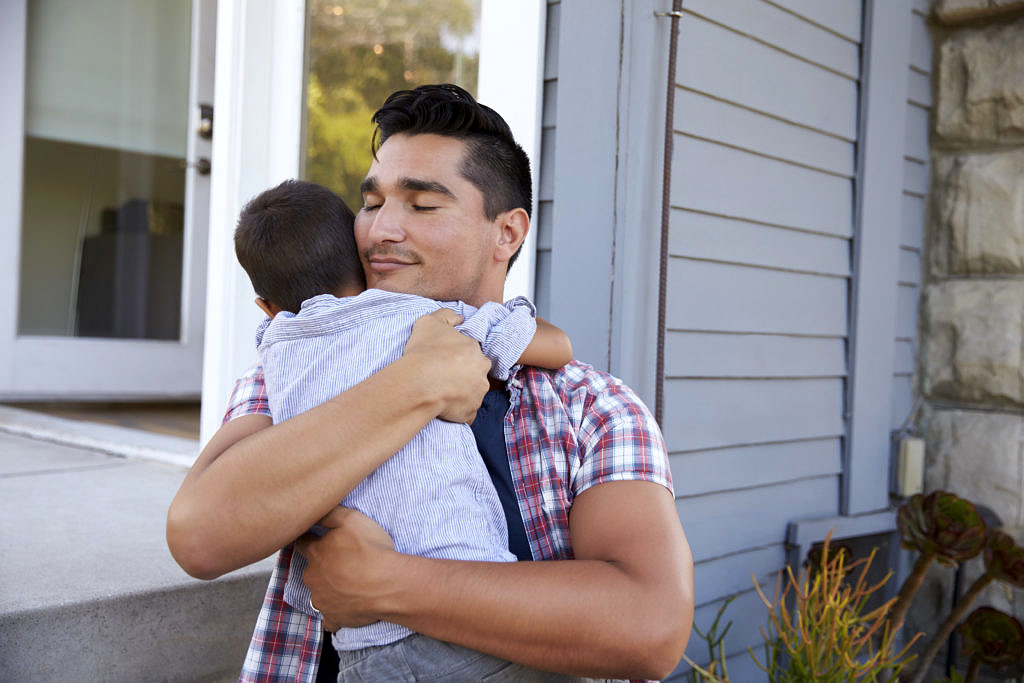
(952, 11)
(978, 456)
(972, 341)
(981, 85)
(979, 214)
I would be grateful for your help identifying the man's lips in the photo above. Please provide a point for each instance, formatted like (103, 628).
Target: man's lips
(386, 265)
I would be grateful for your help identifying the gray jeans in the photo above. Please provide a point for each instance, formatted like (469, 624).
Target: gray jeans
(419, 658)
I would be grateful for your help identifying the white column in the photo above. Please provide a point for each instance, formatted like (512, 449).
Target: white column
(258, 106)
(511, 82)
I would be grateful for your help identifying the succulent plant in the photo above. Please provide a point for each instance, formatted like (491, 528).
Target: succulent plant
(940, 526)
(992, 637)
(943, 525)
(1004, 559)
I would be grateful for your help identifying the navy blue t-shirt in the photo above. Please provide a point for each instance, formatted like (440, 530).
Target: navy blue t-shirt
(489, 430)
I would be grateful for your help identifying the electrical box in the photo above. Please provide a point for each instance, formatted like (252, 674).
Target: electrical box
(910, 467)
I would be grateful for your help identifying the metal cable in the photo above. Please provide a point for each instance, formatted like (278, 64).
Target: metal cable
(666, 190)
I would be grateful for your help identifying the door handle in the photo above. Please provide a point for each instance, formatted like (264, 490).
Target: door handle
(202, 165)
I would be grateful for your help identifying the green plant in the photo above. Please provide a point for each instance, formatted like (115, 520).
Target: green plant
(820, 628)
(991, 637)
(940, 526)
(716, 650)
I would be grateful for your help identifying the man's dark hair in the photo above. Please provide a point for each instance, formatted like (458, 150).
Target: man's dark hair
(295, 241)
(494, 162)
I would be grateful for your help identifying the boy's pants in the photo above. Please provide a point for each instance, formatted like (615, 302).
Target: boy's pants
(419, 658)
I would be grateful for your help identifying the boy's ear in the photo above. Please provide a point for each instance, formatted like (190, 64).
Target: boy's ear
(515, 225)
(267, 307)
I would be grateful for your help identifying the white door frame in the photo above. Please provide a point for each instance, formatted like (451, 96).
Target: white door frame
(257, 142)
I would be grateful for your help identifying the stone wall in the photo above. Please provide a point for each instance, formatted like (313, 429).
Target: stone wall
(972, 309)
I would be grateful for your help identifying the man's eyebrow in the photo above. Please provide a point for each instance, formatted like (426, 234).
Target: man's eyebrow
(419, 185)
(369, 184)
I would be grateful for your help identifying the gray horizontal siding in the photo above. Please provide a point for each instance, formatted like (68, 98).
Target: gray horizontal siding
(736, 67)
(690, 355)
(753, 187)
(543, 222)
(719, 524)
(742, 467)
(912, 234)
(715, 413)
(759, 273)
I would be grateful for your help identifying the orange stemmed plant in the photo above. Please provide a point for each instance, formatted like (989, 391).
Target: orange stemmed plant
(820, 628)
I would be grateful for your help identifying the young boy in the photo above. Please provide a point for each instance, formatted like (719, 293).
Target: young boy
(325, 333)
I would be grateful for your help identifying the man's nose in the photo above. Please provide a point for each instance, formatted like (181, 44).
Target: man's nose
(387, 224)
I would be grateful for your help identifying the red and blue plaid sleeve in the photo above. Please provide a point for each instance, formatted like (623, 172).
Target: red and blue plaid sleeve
(618, 438)
(249, 397)
(285, 645)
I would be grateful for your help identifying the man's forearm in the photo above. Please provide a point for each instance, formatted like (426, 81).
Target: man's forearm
(242, 502)
(609, 624)
(623, 608)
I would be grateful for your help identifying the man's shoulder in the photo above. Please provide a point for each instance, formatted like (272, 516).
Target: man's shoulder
(573, 376)
(583, 389)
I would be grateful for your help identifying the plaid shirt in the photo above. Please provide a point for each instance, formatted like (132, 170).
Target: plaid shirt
(566, 430)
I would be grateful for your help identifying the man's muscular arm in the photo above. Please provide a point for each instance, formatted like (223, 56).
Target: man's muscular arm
(622, 608)
(256, 487)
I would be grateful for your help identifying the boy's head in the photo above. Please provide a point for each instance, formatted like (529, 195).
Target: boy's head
(493, 162)
(295, 241)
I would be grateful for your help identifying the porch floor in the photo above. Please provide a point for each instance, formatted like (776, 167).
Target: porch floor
(91, 591)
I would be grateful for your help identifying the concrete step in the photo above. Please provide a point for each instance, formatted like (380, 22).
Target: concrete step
(88, 589)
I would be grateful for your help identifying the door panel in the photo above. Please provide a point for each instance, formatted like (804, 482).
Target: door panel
(107, 296)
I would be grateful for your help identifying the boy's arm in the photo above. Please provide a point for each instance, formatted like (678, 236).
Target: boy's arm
(511, 334)
(257, 486)
(550, 348)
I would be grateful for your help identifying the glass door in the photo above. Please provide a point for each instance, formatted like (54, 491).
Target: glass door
(112, 191)
(359, 52)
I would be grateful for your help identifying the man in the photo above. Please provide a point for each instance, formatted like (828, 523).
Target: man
(577, 459)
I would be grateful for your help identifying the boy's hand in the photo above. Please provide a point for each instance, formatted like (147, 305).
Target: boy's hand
(456, 370)
(345, 567)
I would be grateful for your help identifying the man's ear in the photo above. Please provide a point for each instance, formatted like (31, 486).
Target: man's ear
(267, 307)
(515, 225)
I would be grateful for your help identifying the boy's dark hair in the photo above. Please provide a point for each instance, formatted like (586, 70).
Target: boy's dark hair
(295, 241)
(494, 162)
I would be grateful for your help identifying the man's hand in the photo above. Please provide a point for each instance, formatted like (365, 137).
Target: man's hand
(346, 566)
(458, 369)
